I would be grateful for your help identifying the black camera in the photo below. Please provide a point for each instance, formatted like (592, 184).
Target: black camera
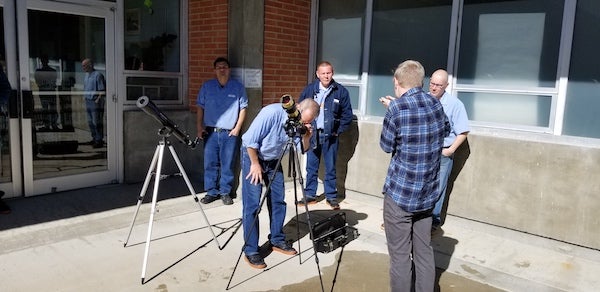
(293, 126)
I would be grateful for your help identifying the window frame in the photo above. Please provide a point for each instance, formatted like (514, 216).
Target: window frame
(557, 92)
(182, 101)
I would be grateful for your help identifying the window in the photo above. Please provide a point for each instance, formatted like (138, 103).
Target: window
(402, 30)
(506, 77)
(340, 36)
(582, 102)
(153, 50)
(505, 57)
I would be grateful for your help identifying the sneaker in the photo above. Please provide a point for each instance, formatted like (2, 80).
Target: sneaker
(307, 201)
(333, 204)
(226, 200)
(209, 199)
(255, 261)
(284, 248)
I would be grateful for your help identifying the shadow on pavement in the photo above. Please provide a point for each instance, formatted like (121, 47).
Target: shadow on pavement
(62, 205)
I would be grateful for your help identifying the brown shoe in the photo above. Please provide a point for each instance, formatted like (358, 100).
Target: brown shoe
(306, 201)
(255, 261)
(284, 248)
(333, 204)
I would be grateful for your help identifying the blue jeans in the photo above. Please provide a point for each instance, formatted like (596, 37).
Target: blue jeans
(329, 149)
(251, 195)
(446, 163)
(95, 118)
(408, 234)
(220, 153)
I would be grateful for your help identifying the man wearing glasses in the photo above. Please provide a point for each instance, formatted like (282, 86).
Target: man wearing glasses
(459, 128)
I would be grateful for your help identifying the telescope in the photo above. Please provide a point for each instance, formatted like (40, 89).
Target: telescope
(169, 127)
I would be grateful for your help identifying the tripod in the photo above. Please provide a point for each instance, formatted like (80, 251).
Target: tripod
(155, 167)
(294, 169)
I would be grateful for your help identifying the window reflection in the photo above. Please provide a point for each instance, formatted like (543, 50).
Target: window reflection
(152, 42)
(152, 36)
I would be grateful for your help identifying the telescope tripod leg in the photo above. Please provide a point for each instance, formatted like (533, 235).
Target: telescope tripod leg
(193, 193)
(161, 151)
(143, 192)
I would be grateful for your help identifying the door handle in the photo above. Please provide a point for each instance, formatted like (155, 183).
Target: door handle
(27, 100)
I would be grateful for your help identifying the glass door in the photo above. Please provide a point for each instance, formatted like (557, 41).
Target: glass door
(66, 93)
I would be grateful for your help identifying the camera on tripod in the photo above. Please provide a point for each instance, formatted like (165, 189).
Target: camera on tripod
(293, 125)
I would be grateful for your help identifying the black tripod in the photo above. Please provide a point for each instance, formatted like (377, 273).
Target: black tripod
(294, 169)
(155, 168)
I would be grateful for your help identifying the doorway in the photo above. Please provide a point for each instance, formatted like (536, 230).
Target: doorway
(60, 124)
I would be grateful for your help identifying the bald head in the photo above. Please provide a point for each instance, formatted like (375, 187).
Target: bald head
(438, 83)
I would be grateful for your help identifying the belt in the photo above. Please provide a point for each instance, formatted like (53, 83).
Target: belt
(214, 129)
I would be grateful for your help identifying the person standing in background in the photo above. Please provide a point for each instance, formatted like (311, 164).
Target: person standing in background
(221, 110)
(45, 78)
(459, 129)
(334, 118)
(94, 86)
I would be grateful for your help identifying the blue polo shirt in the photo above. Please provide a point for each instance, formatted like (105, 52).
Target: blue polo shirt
(93, 82)
(267, 133)
(222, 104)
(457, 116)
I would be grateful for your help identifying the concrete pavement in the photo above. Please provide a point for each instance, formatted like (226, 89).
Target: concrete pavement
(74, 241)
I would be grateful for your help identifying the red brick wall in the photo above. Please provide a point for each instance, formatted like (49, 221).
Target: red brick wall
(286, 44)
(207, 24)
(287, 29)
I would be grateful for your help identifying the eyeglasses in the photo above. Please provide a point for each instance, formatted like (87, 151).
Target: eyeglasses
(221, 67)
(435, 84)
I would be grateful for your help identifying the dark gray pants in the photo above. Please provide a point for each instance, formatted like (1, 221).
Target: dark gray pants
(409, 242)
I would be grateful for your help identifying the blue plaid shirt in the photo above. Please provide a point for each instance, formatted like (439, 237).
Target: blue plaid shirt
(414, 128)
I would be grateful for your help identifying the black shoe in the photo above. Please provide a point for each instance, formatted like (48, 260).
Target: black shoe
(333, 204)
(284, 248)
(98, 144)
(255, 261)
(209, 199)
(226, 200)
(307, 201)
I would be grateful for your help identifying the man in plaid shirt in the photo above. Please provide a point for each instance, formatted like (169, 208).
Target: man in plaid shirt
(414, 128)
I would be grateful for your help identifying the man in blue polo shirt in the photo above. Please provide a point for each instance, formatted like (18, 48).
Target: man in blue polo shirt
(262, 146)
(459, 128)
(222, 104)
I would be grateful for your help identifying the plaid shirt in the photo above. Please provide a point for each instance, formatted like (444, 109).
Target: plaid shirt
(414, 128)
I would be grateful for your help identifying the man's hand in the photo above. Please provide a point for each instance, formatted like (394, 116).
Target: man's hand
(234, 132)
(255, 174)
(201, 132)
(385, 100)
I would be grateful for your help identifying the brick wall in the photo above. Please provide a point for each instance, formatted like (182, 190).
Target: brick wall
(207, 24)
(287, 29)
(286, 37)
